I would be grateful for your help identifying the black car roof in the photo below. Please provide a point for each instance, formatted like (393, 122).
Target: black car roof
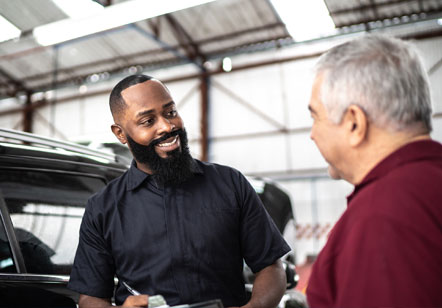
(30, 150)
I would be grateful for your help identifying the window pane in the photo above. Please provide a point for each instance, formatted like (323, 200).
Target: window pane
(46, 211)
(6, 261)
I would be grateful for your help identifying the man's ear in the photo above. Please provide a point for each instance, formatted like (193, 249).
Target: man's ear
(118, 132)
(356, 123)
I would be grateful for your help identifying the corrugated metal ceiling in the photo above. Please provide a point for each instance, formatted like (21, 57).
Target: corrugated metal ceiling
(208, 31)
(353, 12)
(26, 15)
(190, 35)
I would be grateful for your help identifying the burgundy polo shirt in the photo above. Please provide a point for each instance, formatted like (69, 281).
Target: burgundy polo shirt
(386, 249)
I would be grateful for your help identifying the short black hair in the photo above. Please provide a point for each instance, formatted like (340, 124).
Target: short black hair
(116, 102)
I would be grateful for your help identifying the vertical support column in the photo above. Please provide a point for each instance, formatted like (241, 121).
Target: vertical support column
(28, 114)
(54, 88)
(204, 88)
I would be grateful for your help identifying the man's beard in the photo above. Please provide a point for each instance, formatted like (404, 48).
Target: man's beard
(174, 169)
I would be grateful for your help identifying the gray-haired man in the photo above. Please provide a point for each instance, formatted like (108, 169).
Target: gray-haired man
(371, 113)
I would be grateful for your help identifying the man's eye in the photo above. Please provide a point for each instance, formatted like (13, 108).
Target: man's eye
(147, 122)
(172, 113)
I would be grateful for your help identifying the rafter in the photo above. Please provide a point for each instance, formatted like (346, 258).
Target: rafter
(184, 39)
(16, 85)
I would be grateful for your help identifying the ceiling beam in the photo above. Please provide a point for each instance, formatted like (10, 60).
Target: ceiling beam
(132, 56)
(95, 63)
(374, 9)
(79, 78)
(241, 32)
(174, 79)
(214, 72)
(16, 85)
(216, 54)
(430, 15)
(184, 39)
(31, 51)
(369, 6)
(155, 25)
(165, 46)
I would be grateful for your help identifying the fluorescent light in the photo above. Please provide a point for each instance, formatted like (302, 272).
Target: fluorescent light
(110, 17)
(305, 19)
(227, 64)
(82, 89)
(9, 31)
(78, 8)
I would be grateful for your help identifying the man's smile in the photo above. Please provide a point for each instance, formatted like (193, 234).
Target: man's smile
(168, 142)
(168, 145)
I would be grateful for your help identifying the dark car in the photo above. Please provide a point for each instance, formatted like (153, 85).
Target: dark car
(44, 185)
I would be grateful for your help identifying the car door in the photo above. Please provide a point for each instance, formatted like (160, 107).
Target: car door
(40, 215)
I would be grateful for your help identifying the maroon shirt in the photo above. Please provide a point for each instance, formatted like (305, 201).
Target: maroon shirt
(386, 249)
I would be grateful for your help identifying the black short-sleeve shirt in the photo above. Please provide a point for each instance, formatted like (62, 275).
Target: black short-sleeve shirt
(186, 242)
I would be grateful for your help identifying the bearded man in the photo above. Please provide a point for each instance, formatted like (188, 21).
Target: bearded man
(173, 225)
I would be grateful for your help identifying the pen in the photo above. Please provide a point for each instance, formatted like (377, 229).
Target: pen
(130, 289)
(155, 301)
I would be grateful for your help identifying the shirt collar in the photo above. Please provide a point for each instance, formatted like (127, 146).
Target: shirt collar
(414, 151)
(136, 176)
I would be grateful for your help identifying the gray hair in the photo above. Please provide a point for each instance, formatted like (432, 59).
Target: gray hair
(382, 75)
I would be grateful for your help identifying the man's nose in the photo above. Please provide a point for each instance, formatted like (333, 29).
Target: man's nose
(312, 134)
(165, 125)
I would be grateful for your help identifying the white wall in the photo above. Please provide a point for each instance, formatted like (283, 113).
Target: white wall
(280, 92)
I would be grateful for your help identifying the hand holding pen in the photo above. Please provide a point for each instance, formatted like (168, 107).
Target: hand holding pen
(137, 299)
(155, 301)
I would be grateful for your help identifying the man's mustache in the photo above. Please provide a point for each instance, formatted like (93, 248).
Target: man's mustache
(165, 137)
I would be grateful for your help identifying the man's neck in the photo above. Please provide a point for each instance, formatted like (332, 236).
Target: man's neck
(379, 145)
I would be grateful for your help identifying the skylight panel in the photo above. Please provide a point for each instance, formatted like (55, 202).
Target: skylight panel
(9, 31)
(305, 20)
(110, 17)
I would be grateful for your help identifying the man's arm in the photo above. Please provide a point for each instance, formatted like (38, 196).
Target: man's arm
(86, 301)
(269, 287)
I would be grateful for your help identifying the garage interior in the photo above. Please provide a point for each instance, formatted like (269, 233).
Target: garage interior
(240, 75)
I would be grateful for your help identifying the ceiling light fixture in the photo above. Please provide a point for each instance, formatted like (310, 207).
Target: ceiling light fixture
(227, 64)
(111, 17)
(305, 20)
(9, 31)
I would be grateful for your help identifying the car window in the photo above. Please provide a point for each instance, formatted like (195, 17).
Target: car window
(6, 260)
(46, 210)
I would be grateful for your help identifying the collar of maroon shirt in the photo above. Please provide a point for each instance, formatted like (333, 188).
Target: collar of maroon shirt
(414, 151)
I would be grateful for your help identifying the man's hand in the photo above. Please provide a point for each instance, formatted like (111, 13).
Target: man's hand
(136, 301)
(86, 301)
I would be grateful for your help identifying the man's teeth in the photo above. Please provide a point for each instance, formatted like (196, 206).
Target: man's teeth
(169, 143)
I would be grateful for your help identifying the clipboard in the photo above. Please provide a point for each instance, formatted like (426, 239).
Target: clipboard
(214, 303)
